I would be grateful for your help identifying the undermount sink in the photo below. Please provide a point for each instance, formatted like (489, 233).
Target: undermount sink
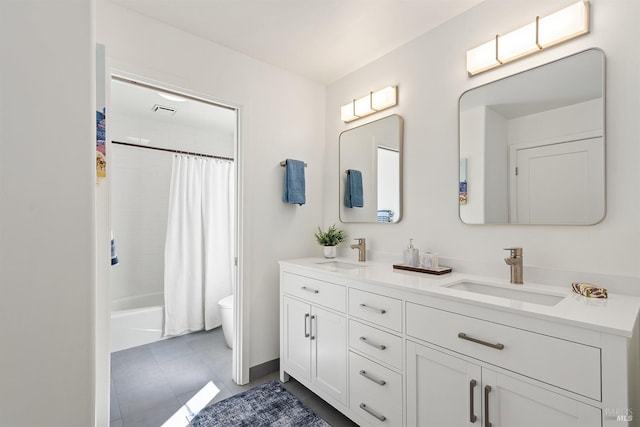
(340, 265)
(514, 293)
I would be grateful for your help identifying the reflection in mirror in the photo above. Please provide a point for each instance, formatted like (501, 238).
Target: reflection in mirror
(370, 171)
(532, 146)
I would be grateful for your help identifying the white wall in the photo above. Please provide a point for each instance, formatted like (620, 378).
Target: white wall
(560, 123)
(496, 168)
(140, 182)
(430, 72)
(47, 229)
(282, 116)
(176, 136)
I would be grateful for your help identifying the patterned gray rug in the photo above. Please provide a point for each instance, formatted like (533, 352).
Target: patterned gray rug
(266, 405)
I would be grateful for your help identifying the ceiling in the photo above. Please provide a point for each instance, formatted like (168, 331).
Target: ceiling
(138, 102)
(323, 40)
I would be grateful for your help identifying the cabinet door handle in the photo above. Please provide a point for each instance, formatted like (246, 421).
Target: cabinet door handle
(378, 346)
(464, 336)
(311, 327)
(314, 291)
(367, 376)
(377, 310)
(306, 332)
(487, 390)
(371, 412)
(472, 416)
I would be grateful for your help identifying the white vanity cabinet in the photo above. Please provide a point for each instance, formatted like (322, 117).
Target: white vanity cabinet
(398, 349)
(314, 338)
(445, 390)
(492, 397)
(376, 358)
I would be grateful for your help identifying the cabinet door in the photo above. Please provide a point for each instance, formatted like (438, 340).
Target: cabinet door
(296, 357)
(512, 402)
(329, 358)
(442, 390)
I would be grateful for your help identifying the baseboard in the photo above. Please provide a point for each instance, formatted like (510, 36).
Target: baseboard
(264, 369)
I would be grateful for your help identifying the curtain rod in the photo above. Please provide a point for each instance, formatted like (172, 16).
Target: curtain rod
(169, 150)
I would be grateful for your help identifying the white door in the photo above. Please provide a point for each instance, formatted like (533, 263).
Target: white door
(296, 358)
(329, 353)
(559, 183)
(442, 390)
(512, 402)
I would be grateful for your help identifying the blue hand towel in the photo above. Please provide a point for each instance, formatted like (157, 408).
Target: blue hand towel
(353, 197)
(294, 185)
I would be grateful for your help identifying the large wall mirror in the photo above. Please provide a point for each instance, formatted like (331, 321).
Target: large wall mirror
(371, 172)
(532, 145)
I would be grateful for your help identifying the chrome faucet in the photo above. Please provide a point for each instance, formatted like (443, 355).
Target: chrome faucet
(361, 247)
(515, 261)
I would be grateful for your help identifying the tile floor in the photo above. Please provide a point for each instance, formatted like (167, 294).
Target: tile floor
(151, 382)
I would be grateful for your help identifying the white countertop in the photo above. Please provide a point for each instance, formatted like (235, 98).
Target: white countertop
(616, 314)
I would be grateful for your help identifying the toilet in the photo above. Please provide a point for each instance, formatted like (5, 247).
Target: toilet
(226, 312)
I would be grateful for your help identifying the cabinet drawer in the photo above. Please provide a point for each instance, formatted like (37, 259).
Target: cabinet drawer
(375, 392)
(565, 364)
(378, 344)
(379, 309)
(315, 291)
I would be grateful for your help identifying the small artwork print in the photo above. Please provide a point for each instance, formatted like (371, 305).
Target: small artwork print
(101, 155)
(463, 192)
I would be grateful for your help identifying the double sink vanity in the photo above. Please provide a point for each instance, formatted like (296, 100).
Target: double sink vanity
(389, 347)
(396, 348)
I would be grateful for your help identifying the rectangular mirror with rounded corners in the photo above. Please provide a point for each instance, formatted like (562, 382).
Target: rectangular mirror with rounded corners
(370, 163)
(532, 145)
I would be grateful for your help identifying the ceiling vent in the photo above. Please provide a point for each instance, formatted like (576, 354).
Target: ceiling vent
(163, 110)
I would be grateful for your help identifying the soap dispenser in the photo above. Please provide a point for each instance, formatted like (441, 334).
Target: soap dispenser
(411, 255)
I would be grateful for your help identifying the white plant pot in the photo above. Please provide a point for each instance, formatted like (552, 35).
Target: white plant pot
(329, 251)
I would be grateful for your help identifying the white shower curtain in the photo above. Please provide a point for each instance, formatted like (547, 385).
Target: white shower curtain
(199, 249)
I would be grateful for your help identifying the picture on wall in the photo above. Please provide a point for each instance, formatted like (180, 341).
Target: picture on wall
(101, 155)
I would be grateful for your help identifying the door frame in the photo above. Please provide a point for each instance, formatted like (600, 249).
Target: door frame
(240, 350)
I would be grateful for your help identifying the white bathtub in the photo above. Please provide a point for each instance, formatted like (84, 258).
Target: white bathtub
(136, 321)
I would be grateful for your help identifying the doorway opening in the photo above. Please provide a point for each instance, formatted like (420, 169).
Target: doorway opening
(155, 133)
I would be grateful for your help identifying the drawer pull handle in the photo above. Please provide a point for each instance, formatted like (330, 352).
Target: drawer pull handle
(377, 310)
(311, 327)
(487, 390)
(364, 407)
(315, 291)
(306, 332)
(378, 346)
(464, 336)
(379, 382)
(472, 416)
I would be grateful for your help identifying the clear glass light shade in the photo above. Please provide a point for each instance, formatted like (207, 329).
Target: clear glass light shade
(517, 43)
(565, 24)
(482, 57)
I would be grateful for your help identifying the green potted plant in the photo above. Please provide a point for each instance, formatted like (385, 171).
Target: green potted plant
(330, 239)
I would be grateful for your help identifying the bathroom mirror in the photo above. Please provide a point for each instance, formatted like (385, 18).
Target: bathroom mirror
(532, 145)
(371, 172)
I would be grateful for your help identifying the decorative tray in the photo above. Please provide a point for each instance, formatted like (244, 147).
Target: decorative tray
(437, 270)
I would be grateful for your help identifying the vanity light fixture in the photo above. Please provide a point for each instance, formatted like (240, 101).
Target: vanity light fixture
(369, 104)
(558, 27)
